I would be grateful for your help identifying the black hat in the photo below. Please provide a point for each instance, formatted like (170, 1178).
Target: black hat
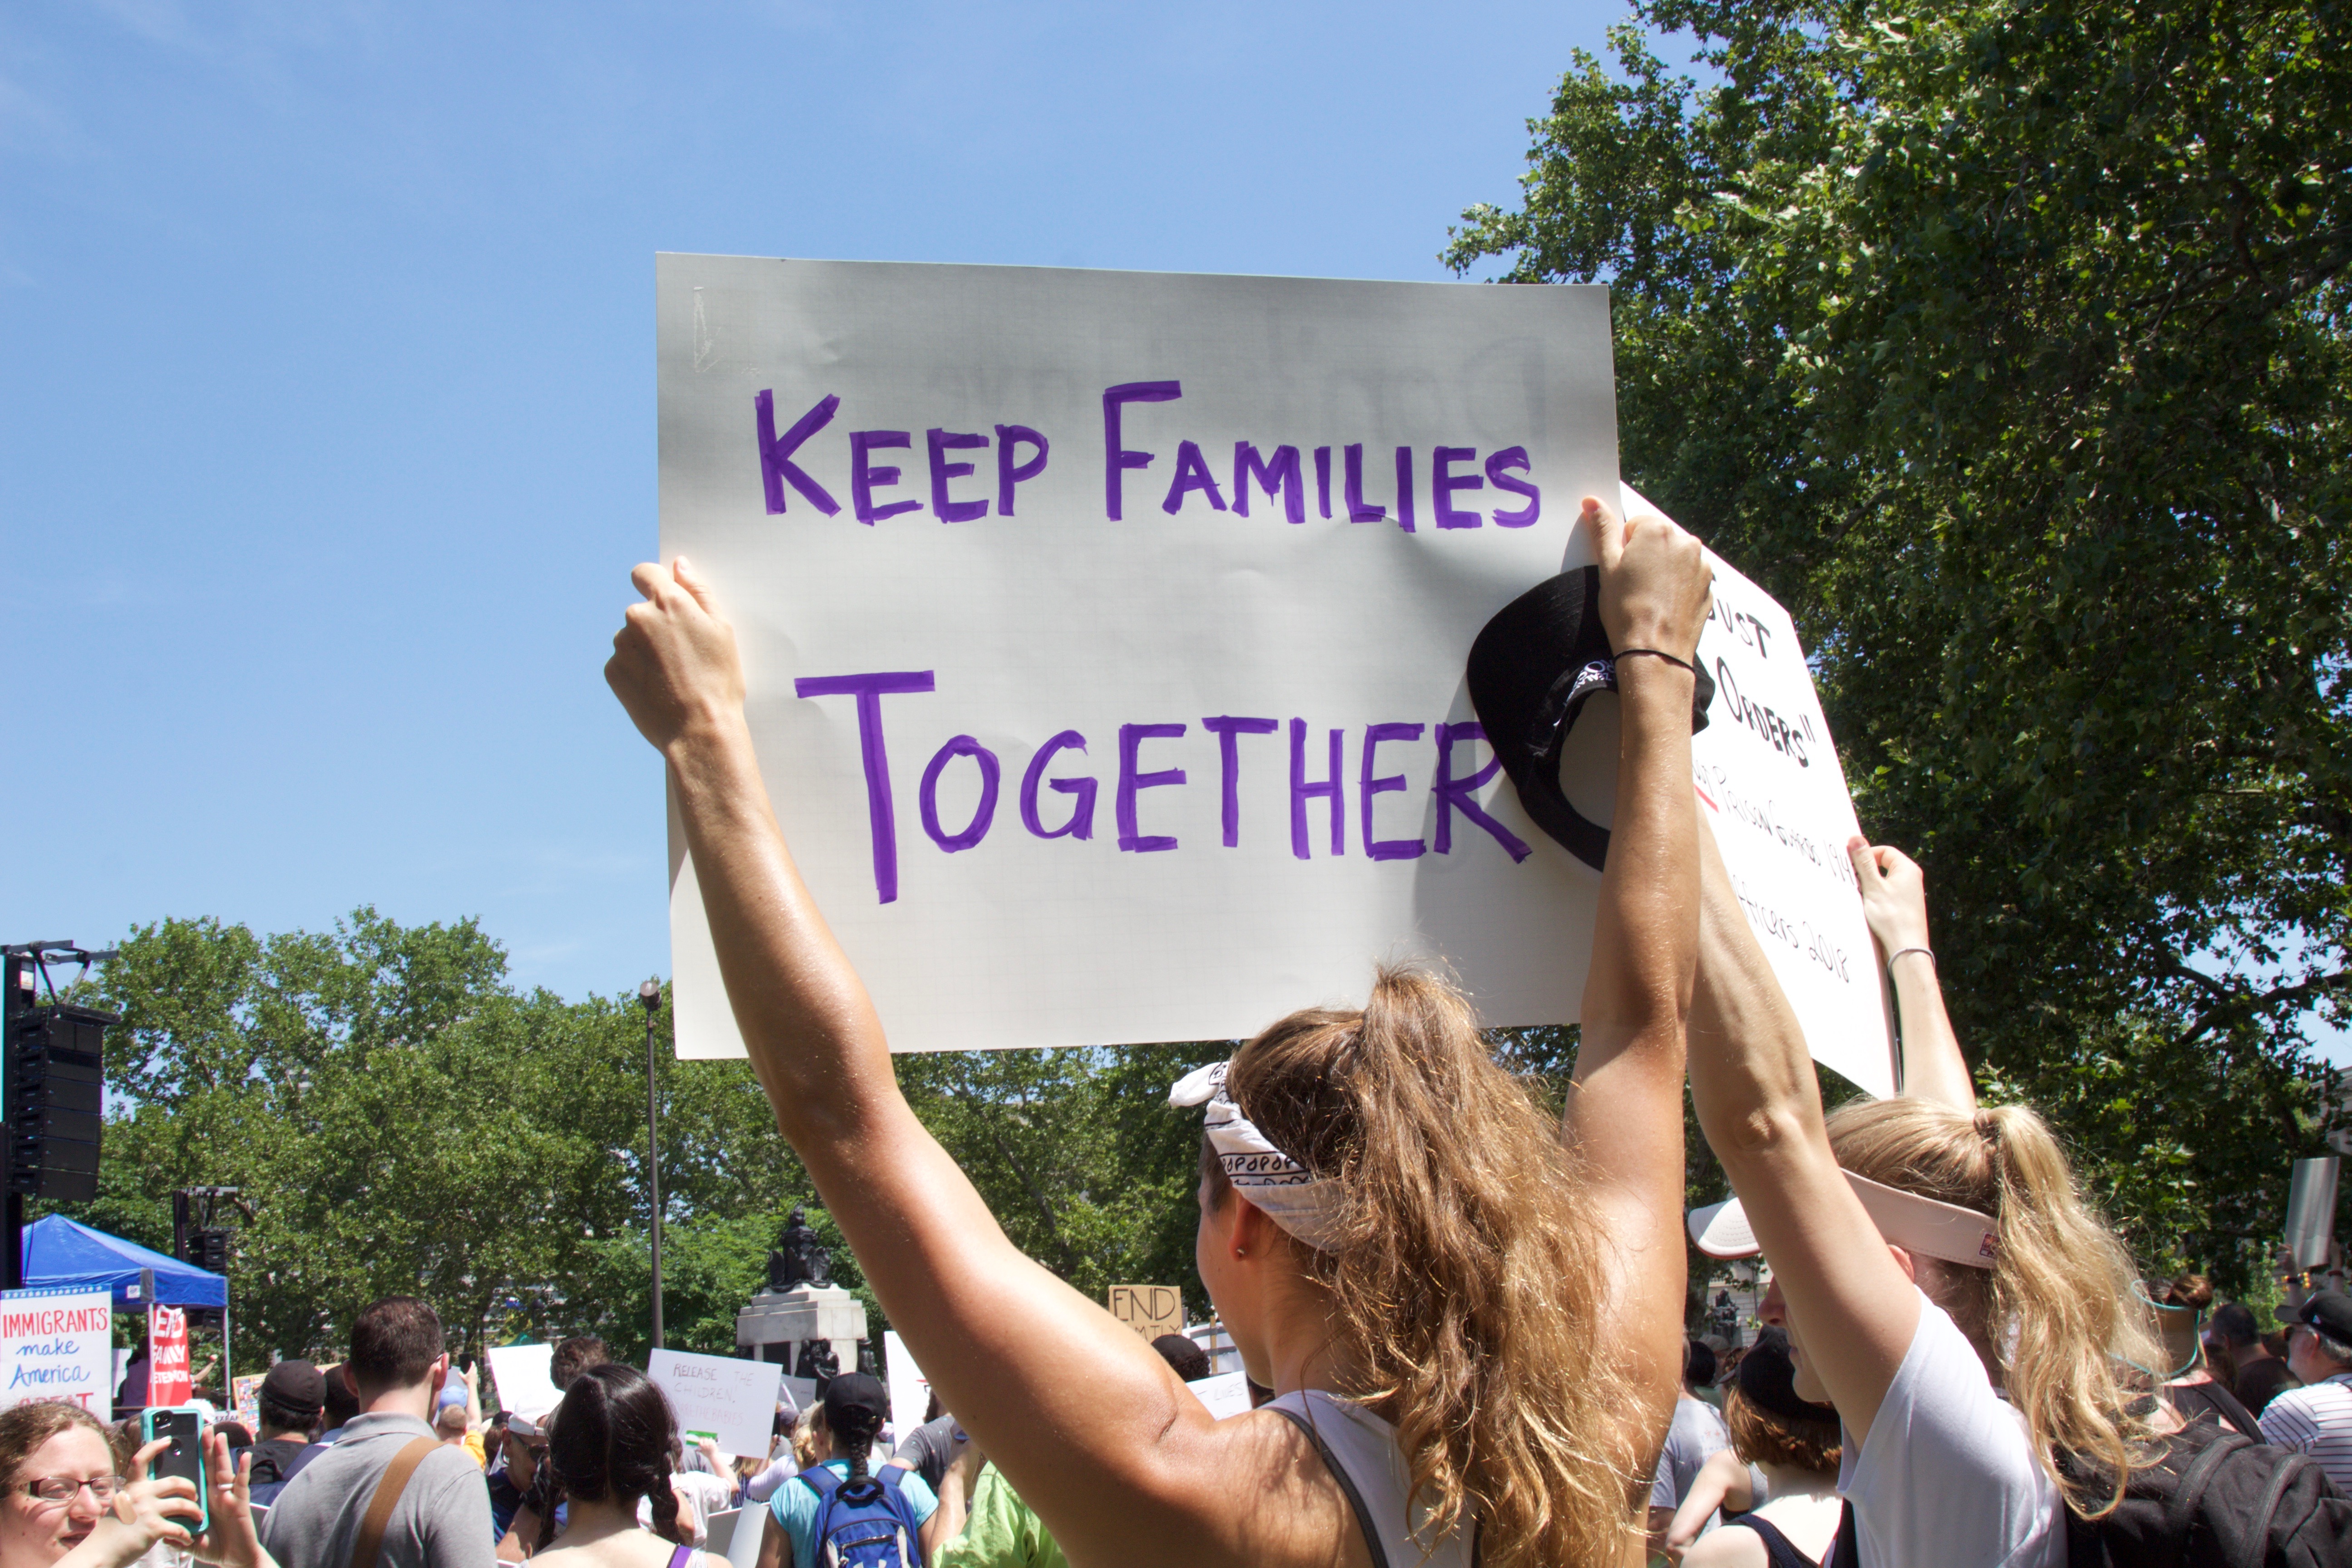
(296, 1386)
(1767, 1379)
(2329, 1312)
(855, 1403)
(1531, 668)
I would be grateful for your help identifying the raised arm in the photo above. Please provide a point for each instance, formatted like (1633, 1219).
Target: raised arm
(1625, 1110)
(1082, 1416)
(1852, 1307)
(1723, 1482)
(1894, 903)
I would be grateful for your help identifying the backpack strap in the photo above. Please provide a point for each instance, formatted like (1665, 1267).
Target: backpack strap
(679, 1558)
(827, 1486)
(2253, 1551)
(388, 1487)
(1372, 1543)
(2180, 1508)
(895, 1489)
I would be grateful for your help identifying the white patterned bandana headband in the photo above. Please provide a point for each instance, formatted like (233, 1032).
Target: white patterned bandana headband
(1293, 1197)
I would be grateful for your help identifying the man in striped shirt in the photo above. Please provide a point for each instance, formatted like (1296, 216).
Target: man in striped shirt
(2316, 1419)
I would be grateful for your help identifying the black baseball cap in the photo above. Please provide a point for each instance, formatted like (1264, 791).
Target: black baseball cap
(2329, 1312)
(855, 1402)
(1767, 1379)
(297, 1385)
(1531, 668)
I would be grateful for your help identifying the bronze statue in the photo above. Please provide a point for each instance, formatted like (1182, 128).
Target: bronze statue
(798, 1259)
(1725, 1319)
(818, 1362)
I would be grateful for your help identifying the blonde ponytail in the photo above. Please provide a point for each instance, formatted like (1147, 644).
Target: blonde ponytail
(2053, 1319)
(1466, 1286)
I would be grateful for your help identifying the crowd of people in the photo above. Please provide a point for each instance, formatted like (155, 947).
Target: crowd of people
(1463, 1317)
(388, 1457)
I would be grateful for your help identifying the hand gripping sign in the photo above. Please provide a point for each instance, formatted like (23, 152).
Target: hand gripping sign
(1106, 636)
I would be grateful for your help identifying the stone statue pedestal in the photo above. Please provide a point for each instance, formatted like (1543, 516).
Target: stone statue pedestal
(776, 1323)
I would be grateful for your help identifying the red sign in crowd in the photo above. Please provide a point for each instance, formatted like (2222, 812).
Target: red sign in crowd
(167, 1356)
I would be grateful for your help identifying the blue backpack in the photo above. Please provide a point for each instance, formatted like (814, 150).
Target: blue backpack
(864, 1524)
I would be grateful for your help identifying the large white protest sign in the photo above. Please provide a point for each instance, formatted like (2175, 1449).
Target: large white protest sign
(1105, 631)
(909, 1390)
(57, 1345)
(522, 1375)
(731, 1401)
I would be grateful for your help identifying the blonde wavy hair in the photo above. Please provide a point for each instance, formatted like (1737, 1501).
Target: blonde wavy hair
(2053, 1318)
(1466, 1285)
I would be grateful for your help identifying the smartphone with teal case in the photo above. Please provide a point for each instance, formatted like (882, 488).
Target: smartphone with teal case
(184, 1427)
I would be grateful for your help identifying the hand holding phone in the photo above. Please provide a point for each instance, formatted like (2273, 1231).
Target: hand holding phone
(181, 1429)
(150, 1511)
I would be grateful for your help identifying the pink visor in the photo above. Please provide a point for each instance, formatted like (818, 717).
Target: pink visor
(1933, 1229)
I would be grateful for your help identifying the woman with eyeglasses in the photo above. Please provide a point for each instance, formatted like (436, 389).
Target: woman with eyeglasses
(68, 1502)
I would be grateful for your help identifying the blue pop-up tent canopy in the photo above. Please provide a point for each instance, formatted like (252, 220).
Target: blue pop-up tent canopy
(60, 1254)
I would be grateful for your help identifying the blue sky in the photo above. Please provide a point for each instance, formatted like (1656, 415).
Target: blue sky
(326, 403)
(326, 376)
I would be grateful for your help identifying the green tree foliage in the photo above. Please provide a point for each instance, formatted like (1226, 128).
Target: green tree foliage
(2005, 343)
(399, 1119)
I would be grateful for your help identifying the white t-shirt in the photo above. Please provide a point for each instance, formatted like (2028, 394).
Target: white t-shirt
(1949, 1473)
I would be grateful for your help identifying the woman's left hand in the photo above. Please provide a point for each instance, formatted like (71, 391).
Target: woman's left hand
(229, 1538)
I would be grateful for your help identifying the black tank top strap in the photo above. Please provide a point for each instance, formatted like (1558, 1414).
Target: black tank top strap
(1373, 1541)
(1845, 1552)
(1778, 1549)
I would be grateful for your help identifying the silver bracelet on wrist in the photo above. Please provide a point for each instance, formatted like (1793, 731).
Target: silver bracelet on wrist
(1901, 950)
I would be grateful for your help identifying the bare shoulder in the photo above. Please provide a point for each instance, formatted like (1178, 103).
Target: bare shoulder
(1731, 1546)
(631, 1549)
(1250, 1490)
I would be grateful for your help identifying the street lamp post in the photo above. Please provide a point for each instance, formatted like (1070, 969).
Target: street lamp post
(650, 994)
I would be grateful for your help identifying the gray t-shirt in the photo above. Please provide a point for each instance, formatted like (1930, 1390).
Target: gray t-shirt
(926, 1450)
(1697, 1436)
(442, 1521)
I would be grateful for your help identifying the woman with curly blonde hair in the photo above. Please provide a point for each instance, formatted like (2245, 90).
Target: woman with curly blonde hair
(1471, 1322)
(1941, 1278)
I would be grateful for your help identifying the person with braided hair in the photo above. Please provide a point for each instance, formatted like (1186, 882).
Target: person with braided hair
(842, 1471)
(608, 1448)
